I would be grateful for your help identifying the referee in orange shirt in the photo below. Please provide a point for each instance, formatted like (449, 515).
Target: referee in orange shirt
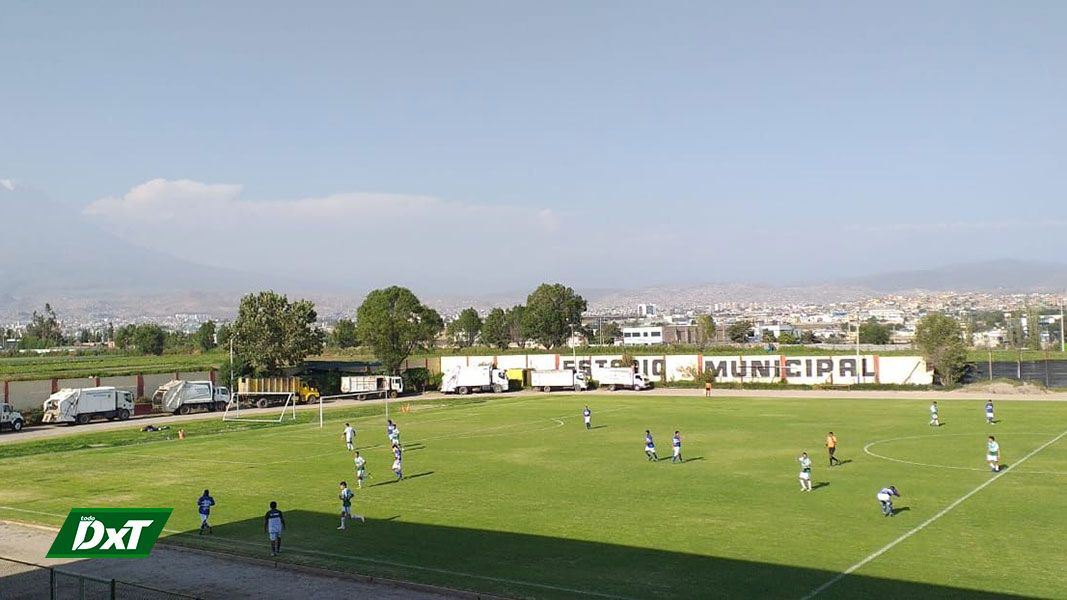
(831, 447)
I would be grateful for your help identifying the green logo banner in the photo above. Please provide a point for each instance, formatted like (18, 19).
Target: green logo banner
(109, 532)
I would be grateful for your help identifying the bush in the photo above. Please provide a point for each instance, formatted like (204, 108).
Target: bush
(32, 416)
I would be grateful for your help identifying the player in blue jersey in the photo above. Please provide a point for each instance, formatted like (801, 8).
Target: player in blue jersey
(587, 415)
(676, 444)
(885, 498)
(398, 468)
(204, 504)
(650, 447)
(989, 412)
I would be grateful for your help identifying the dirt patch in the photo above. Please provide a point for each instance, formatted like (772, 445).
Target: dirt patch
(994, 388)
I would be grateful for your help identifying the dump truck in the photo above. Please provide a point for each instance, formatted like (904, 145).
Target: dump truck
(265, 391)
(81, 405)
(10, 418)
(614, 378)
(549, 380)
(181, 397)
(367, 387)
(464, 380)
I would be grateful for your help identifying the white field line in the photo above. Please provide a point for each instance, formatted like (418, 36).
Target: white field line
(867, 450)
(870, 557)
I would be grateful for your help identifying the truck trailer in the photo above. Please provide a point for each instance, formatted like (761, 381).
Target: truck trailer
(81, 405)
(367, 387)
(180, 397)
(464, 380)
(614, 378)
(558, 379)
(265, 391)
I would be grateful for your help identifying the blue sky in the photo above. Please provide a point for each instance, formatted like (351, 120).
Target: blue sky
(602, 143)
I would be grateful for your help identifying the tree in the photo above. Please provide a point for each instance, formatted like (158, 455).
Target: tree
(344, 334)
(495, 329)
(516, 316)
(610, 332)
(873, 332)
(939, 338)
(1033, 328)
(223, 334)
(706, 328)
(84, 336)
(808, 337)
(394, 324)
(740, 332)
(271, 332)
(787, 337)
(205, 336)
(552, 310)
(45, 328)
(768, 337)
(465, 328)
(148, 339)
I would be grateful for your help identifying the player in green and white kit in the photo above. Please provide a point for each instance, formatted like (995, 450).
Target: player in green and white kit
(992, 454)
(933, 415)
(361, 470)
(805, 472)
(346, 506)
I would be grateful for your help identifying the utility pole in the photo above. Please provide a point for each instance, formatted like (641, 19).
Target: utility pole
(1062, 347)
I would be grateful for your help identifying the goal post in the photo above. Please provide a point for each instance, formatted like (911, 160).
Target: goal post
(288, 412)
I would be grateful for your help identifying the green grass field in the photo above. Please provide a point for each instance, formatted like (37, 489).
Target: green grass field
(104, 364)
(513, 496)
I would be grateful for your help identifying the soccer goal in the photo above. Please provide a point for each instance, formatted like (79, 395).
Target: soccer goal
(288, 412)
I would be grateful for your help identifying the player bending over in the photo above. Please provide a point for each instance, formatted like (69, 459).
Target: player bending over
(992, 454)
(273, 524)
(346, 506)
(933, 415)
(350, 437)
(204, 504)
(361, 470)
(650, 447)
(588, 416)
(989, 412)
(885, 498)
(676, 444)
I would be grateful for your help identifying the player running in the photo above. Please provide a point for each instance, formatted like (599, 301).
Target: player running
(933, 415)
(831, 447)
(992, 454)
(361, 470)
(885, 498)
(204, 504)
(350, 437)
(273, 524)
(346, 506)
(588, 416)
(650, 447)
(676, 444)
(805, 472)
(989, 412)
(398, 468)
(393, 432)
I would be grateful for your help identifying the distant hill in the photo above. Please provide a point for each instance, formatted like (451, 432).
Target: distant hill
(990, 276)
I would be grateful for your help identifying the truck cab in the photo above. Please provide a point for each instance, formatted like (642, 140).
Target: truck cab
(9, 417)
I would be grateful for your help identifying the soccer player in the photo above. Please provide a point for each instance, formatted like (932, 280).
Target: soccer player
(676, 444)
(885, 498)
(933, 415)
(992, 454)
(346, 506)
(831, 447)
(204, 504)
(588, 416)
(350, 436)
(398, 468)
(989, 412)
(361, 470)
(273, 524)
(393, 433)
(650, 447)
(805, 472)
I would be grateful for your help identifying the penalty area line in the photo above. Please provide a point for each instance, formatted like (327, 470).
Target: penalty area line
(822, 588)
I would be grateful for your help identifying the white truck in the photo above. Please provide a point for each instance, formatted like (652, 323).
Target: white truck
(614, 378)
(9, 417)
(558, 379)
(366, 387)
(81, 405)
(181, 397)
(464, 380)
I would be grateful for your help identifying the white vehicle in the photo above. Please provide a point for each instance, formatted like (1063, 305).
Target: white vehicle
(562, 379)
(82, 405)
(9, 417)
(365, 387)
(180, 397)
(464, 380)
(614, 378)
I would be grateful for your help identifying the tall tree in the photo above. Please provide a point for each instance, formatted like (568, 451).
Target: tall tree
(394, 323)
(344, 334)
(706, 328)
(495, 329)
(271, 332)
(740, 331)
(1033, 328)
(465, 328)
(516, 317)
(939, 338)
(873, 332)
(205, 336)
(610, 332)
(552, 310)
(45, 328)
(149, 338)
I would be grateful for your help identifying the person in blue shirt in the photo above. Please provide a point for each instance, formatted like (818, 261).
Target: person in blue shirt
(885, 498)
(676, 443)
(650, 447)
(398, 468)
(588, 416)
(204, 504)
(989, 412)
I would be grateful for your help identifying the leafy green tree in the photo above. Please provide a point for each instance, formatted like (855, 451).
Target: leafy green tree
(205, 336)
(939, 338)
(148, 338)
(223, 335)
(552, 311)
(610, 332)
(787, 337)
(344, 334)
(45, 328)
(495, 329)
(808, 337)
(1033, 328)
(768, 337)
(706, 328)
(465, 328)
(516, 318)
(84, 336)
(873, 332)
(739, 332)
(271, 332)
(394, 323)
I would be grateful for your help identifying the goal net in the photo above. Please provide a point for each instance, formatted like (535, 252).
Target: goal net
(249, 414)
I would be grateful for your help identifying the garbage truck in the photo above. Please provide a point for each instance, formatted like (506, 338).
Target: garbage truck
(9, 417)
(367, 387)
(614, 378)
(548, 380)
(181, 397)
(264, 391)
(81, 405)
(464, 380)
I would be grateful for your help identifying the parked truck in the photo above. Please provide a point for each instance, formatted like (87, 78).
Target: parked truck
(264, 391)
(180, 397)
(558, 379)
(464, 380)
(367, 387)
(81, 405)
(11, 418)
(614, 378)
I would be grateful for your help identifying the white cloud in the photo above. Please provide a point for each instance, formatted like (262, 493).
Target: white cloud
(8, 184)
(957, 226)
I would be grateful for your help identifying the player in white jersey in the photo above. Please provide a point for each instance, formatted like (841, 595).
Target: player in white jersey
(885, 498)
(676, 444)
(805, 472)
(650, 447)
(933, 415)
(273, 524)
(350, 437)
(992, 454)
(361, 470)
(346, 506)
(588, 416)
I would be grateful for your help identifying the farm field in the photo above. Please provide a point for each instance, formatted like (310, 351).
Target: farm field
(513, 496)
(45, 367)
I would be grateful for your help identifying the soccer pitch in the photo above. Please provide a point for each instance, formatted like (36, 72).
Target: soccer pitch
(513, 496)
